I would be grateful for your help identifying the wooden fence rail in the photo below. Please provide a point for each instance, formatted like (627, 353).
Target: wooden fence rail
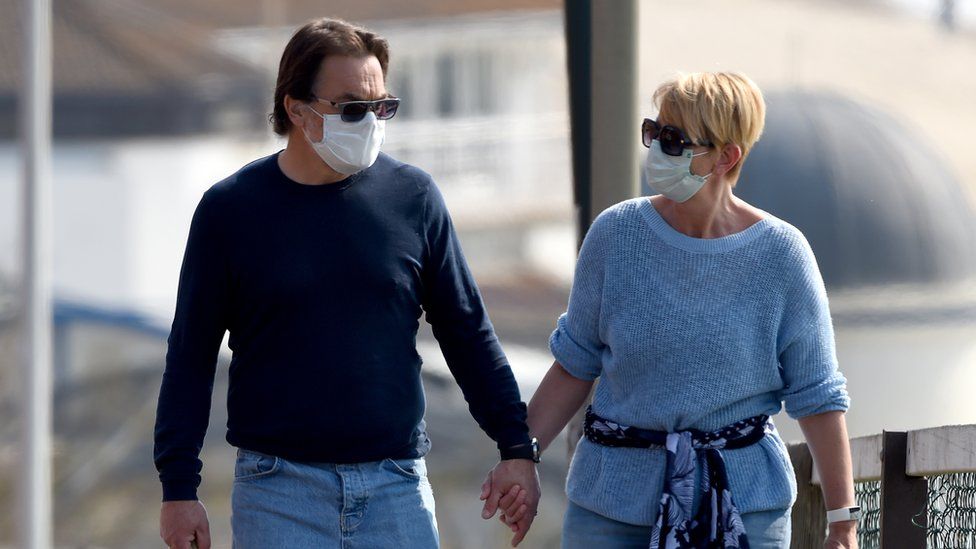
(901, 461)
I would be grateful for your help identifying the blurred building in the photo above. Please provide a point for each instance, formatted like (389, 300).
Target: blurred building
(139, 97)
(892, 228)
(123, 69)
(866, 150)
(486, 120)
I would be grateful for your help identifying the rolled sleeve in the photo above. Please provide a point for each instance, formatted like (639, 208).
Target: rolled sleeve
(812, 382)
(577, 343)
(580, 359)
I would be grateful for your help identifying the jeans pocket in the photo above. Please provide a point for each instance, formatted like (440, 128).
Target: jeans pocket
(413, 469)
(252, 465)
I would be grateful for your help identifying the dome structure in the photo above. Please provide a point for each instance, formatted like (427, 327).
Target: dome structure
(876, 200)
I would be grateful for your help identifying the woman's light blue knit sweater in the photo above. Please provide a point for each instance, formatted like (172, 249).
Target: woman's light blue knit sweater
(694, 333)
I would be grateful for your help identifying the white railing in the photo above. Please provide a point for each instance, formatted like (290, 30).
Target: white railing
(902, 463)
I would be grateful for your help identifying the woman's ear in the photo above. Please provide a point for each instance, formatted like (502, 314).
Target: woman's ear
(729, 158)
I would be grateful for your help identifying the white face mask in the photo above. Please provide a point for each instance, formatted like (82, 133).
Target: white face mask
(349, 147)
(671, 175)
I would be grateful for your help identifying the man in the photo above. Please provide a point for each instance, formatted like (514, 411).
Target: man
(319, 260)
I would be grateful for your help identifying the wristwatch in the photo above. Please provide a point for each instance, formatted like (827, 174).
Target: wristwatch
(844, 514)
(529, 450)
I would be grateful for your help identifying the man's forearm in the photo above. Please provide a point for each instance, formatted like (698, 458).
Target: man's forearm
(483, 373)
(182, 417)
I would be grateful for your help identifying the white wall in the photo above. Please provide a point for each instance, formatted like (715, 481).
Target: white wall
(121, 214)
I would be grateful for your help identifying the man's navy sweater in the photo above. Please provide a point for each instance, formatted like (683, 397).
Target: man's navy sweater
(322, 288)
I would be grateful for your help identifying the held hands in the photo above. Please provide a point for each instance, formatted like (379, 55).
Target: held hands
(184, 525)
(512, 487)
(842, 535)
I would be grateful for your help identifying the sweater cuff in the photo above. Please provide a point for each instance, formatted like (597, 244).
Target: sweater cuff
(514, 437)
(184, 490)
(579, 360)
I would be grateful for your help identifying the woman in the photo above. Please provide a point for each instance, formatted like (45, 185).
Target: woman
(701, 315)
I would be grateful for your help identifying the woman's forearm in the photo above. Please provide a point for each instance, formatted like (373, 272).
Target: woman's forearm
(826, 436)
(558, 397)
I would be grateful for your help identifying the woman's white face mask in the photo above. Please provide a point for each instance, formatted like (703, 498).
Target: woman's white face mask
(671, 175)
(349, 147)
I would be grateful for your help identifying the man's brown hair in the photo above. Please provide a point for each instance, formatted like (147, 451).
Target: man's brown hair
(305, 52)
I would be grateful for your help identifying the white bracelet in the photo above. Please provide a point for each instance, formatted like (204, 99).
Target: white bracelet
(844, 514)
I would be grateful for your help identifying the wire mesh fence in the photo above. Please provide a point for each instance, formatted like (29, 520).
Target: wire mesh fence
(868, 497)
(922, 505)
(952, 511)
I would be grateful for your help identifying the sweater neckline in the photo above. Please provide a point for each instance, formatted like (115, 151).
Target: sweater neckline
(726, 243)
(325, 189)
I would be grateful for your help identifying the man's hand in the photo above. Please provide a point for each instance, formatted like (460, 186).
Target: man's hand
(184, 525)
(513, 487)
(842, 535)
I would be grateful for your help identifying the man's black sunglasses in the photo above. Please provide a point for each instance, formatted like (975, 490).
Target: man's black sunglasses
(354, 111)
(673, 140)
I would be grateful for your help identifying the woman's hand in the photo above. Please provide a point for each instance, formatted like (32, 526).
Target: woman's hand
(842, 535)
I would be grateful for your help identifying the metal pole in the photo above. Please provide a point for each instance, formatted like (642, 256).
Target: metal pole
(601, 48)
(615, 123)
(578, 39)
(35, 107)
(601, 45)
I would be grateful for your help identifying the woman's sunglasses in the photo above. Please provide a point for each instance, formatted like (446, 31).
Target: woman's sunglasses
(673, 140)
(354, 111)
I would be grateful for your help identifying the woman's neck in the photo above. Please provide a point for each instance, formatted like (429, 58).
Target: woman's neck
(713, 212)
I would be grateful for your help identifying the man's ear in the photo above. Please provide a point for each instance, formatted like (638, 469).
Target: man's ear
(295, 109)
(729, 158)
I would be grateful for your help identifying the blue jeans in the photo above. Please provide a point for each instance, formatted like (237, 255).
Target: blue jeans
(375, 505)
(584, 529)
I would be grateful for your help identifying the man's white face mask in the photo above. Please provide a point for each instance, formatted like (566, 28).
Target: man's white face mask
(349, 147)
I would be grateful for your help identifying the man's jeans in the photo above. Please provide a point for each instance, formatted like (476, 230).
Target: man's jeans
(375, 505)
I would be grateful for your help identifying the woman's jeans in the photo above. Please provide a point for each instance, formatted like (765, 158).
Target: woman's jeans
(583, 529)
(374, 505)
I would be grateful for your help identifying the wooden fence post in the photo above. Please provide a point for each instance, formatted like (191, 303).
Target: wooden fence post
(808, 516)
(903, 498)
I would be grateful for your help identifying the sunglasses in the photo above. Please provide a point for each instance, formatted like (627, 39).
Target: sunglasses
(354, 111)
(672, 139)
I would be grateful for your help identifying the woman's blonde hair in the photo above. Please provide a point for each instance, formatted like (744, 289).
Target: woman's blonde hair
(720, 107)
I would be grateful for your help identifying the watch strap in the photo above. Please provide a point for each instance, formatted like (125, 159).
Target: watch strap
(844, 514)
